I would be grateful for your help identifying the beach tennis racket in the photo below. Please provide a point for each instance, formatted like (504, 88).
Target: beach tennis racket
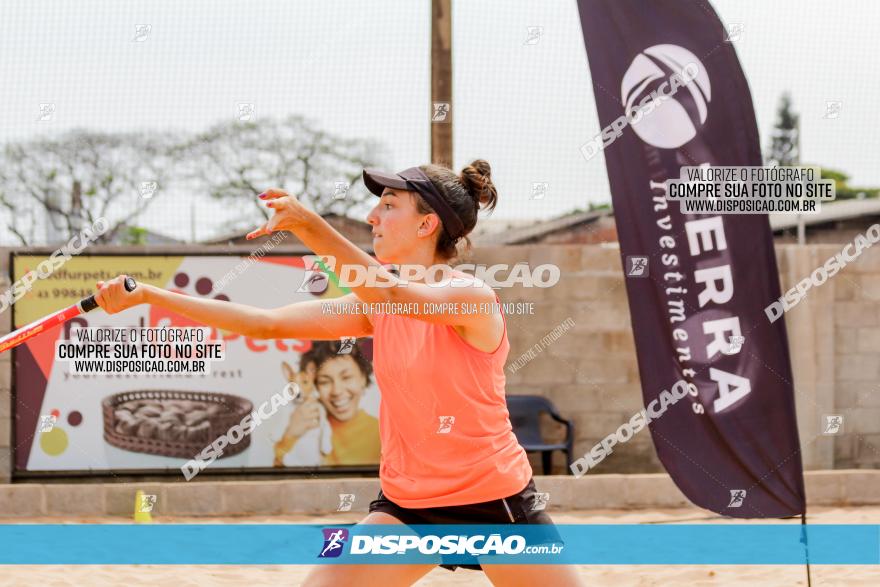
(16, 337)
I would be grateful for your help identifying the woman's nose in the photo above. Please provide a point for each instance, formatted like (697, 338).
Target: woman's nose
(341, 388)
(372, 217)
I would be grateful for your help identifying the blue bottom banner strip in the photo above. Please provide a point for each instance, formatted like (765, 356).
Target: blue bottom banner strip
(298, 544)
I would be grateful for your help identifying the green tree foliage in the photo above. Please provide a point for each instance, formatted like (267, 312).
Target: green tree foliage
(785, 137)
(845, 191)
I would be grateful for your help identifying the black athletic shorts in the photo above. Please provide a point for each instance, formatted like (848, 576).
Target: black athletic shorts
(519, 508)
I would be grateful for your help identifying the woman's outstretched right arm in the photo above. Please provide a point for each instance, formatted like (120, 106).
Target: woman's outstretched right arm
(309, 320)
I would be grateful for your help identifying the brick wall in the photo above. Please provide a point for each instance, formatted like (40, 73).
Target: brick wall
(590, 372)
(856, 365)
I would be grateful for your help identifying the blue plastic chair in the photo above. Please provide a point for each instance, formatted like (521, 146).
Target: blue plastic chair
(525, 412)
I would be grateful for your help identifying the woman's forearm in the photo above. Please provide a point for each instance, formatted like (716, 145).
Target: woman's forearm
(239, 318)
(319, 236)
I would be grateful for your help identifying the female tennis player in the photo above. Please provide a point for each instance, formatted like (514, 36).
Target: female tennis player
(449, 455)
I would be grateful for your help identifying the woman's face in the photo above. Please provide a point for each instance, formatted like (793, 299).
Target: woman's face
(396, 223)
(340, 384)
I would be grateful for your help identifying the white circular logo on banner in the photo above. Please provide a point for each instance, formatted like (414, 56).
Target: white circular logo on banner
(665, 123)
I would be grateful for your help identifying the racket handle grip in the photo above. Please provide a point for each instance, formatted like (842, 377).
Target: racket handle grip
(88, 304)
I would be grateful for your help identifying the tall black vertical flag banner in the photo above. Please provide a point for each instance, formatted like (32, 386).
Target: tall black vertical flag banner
(731, 443)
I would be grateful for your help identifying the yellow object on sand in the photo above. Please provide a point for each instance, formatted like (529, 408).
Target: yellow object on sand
(142, 509)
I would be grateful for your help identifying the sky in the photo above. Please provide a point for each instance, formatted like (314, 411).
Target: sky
(361, 70)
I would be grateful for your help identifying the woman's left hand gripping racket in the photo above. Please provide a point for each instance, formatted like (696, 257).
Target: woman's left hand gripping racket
(16, 337)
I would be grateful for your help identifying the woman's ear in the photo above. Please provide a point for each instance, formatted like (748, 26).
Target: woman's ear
(428, 224)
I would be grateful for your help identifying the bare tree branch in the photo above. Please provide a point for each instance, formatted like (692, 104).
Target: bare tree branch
(40, 174)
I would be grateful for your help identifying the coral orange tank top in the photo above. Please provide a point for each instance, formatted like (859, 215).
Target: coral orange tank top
(443, 419)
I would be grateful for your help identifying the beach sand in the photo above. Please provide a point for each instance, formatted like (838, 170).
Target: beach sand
(593, 575)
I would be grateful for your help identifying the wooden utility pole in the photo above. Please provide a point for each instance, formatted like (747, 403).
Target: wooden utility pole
(441, 111)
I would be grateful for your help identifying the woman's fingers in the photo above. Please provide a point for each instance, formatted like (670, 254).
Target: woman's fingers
(258, 232)
(272, 193)
(314, 417)
(99, 297)
(104, 298)
(307, 417)
(288, 213)
(112, 297)
(312, 414)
